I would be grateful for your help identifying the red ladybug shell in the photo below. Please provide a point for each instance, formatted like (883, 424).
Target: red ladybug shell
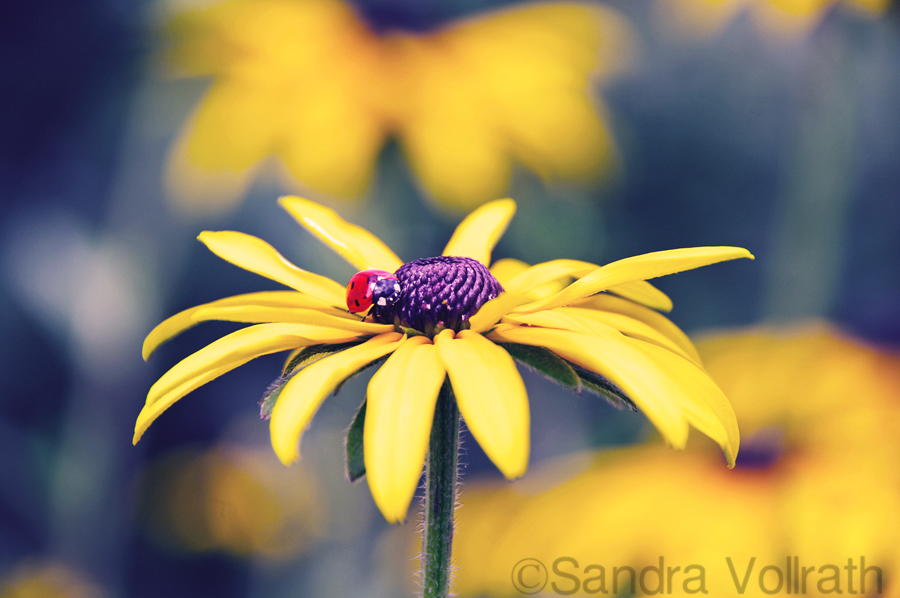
(361, 289)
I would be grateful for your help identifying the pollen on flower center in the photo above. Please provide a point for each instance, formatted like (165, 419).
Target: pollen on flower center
(439, 292)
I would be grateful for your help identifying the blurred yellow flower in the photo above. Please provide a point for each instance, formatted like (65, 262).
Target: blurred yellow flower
(308, 83)
(47, 580)
(449, 318)
(233, 499)
(780, 18)
(827, 491)
(845, 387)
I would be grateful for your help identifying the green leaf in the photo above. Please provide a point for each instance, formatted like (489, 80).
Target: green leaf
(603, 387)
(353, 445)
(546, 362)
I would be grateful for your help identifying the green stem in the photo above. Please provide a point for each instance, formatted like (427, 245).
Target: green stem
(440, 497)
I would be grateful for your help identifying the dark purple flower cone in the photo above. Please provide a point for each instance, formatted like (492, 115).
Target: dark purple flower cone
(439, 292)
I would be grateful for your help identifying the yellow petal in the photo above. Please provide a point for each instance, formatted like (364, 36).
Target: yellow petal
(291, 315)
(548, 272)
(641, 291)
(224, 355)
(641, 267)
(339, 165)
(456, 157)
(353, 243)
(629, 369)
(302, 395)
(519, 276)
(175, 325)
(702, 402)
(219, 150)
(491, 312)
(609, 303)
(149, 412)
(478, 233)
(257, 256)
(399, 411)
(491, 397)
(504, 269)
(587, 320)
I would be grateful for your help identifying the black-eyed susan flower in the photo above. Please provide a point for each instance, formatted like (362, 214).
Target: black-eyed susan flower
(309, 86)
(455, 326)
(780, 18)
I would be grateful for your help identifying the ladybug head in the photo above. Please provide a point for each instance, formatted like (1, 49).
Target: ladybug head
(372, 287)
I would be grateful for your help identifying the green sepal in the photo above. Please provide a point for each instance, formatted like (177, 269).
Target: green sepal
(297, 360)
(353, 445)
(308, 355)
(270, 397)
(602, 386)
(546, 362)
(371, 364)
(410, 332)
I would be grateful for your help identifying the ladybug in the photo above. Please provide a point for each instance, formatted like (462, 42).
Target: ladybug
(372, 287)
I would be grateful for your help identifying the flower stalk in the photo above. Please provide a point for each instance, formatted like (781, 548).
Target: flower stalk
(440, 496)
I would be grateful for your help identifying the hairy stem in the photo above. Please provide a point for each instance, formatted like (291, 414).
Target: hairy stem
(440, 497)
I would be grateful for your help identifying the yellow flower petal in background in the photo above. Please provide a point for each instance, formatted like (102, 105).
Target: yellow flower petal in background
(358, 246)
(399, 408)
(224, 355)
(266, 57)
(302, 395)
(759, 369)
(338, 116)
(255, 255)
(478, 233)
(510, 86)
(309, 85)
(618, 509)
(491, 397)
(220, 150)
(29, 578)
(449, 147)
(235, 499)
(640, 267)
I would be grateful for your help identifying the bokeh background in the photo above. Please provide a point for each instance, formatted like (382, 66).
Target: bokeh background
(766, 124)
